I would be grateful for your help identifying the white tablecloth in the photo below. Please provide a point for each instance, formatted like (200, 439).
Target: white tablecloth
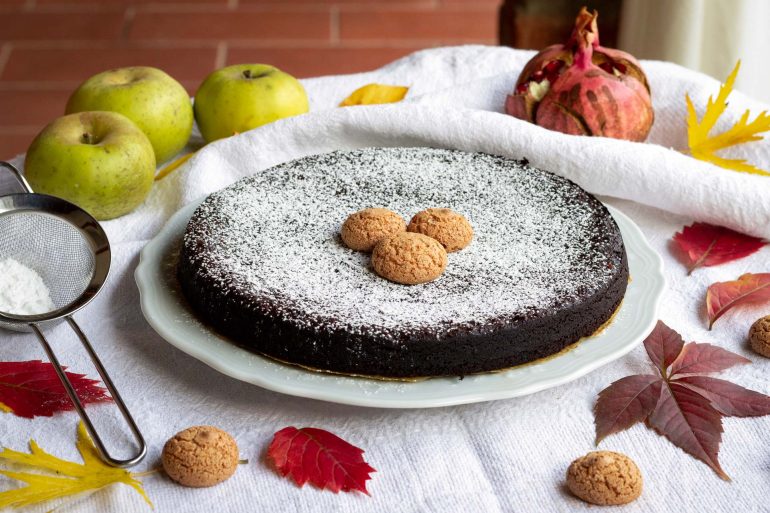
(501, 456)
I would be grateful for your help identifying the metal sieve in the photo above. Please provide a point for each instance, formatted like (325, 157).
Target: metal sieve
(70, 251)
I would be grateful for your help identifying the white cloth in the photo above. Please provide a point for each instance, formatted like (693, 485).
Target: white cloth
(503, 456)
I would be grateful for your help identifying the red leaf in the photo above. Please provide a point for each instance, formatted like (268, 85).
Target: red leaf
(748, 288)
(324, 459)
(689, 407)
(625, 402)
(705, 245)
(691, 423)
(703, 358)
(663, 345)
(32, 388)
(728, 398)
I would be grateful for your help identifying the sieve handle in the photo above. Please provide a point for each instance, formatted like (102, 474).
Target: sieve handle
(79, 405)
(17, 174)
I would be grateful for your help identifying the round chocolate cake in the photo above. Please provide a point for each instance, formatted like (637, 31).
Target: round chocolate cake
(262, 262)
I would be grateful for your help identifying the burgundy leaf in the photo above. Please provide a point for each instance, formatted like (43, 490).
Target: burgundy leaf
(689, 421)
(324, 459)
(663, 345)
(32, 388)
(704, 358)
(690, 406)
(625, 402)
(705, 245)
(728, 398)
(748, 288)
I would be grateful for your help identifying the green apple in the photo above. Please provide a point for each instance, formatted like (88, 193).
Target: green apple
(99, 161)
(238, 98)
(157, 103)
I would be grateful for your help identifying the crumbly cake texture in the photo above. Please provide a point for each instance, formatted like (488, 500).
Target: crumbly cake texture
(262, 261)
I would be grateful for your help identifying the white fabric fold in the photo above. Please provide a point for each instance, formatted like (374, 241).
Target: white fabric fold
(446, 109)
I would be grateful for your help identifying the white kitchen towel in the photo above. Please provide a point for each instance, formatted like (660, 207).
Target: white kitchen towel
(506, 456)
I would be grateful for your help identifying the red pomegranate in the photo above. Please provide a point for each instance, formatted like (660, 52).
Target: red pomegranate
(582, 88)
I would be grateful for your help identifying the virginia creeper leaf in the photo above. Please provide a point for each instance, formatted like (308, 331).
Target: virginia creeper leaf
(706, 245)
(663, 345)
(375, 93)
(705, 358)
(748, 288)
(32, 388)
(687, 407)
(625, 402)
(691, 423)
(728, 398)
(324, 459)
(53, 478)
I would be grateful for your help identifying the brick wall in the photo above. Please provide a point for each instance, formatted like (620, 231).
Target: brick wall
(47, 47)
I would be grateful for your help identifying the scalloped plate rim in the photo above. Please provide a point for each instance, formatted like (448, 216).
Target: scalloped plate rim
(166, 312)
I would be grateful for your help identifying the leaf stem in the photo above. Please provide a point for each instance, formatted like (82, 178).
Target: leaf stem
(703, 257)
(172, 166)
(147, 472)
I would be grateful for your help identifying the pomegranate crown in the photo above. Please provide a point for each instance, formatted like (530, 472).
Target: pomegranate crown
(586, 31)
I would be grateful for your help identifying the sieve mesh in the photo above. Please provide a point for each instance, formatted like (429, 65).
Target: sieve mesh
(53, 248)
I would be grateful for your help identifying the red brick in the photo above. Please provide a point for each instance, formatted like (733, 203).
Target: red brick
(541, 31)
(192, 85)
(14, 142)
(451, 25)
(390, 3)
(314, 61)
(79, 3)
(469, 3)
(231, 25)
(176, 2)
(32, 108)
(47, 64)
(13, 3)
(18, 26)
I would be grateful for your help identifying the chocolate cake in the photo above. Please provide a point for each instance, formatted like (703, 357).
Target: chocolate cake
(262, 262)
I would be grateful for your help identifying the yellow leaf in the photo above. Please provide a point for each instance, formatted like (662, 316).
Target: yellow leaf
(703, 147)
(173, 166)
(54, 478)
(375, 93)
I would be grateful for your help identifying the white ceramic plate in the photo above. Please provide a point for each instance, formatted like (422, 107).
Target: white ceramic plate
(168, 313)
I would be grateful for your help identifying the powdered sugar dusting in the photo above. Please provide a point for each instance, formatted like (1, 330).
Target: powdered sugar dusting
(539, 240)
